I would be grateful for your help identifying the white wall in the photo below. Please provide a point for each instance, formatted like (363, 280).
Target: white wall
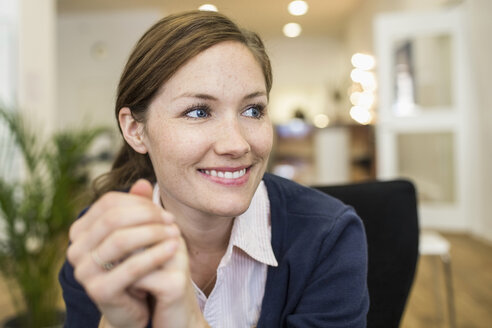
(480, 29)
(305, 71)
(8, 53)
(358, 32)
(92, 51)
(93, 48)
(36, 91)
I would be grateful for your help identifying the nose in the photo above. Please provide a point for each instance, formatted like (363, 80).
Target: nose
(231, 139)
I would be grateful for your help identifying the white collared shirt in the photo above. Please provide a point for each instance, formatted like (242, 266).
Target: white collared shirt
(236, 298)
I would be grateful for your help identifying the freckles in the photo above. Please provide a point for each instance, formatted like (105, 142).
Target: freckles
(184, 143)
(261, 139)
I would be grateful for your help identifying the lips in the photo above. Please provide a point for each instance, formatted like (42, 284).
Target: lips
(226, 174)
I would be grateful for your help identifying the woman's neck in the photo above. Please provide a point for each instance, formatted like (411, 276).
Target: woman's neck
(206, 240)
(205, 234)
(201, 231)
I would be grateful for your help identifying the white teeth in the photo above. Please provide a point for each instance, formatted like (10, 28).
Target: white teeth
(227, 174)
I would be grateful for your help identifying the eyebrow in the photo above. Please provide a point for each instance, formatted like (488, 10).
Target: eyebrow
(205, 96)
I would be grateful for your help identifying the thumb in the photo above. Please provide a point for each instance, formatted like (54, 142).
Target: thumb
(142, 188)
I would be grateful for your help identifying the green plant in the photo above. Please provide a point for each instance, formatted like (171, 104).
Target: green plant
(38, 202)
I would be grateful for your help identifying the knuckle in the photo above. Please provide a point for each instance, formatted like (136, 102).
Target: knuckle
(72, 232)
(135, 271)
(173, 230)
(108, 198)
(180, 279)
(72, 254)
(156, 259)
(151, 213)
(156, 233)
(97, 292)
(105, 200)
(109, 222)
(77, 272)
(119, 240)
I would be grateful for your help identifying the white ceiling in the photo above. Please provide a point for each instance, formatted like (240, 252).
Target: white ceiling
(267, 17)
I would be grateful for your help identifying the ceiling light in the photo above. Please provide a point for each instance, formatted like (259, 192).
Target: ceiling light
(321, 121)
(207, 7)
(363, 77)
(364, 62)
(354, 97)
(292, 30)
(362, 99)
(298, 7)
(366, 99)
(368, 81)
(360, 115)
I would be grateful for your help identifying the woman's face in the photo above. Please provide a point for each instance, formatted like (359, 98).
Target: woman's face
(208, 133)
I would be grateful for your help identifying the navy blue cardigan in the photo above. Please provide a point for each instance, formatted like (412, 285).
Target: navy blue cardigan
(321, 279)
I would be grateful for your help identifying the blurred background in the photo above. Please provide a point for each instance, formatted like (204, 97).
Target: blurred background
(363, 90)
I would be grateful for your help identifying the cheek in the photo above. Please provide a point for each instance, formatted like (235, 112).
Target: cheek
(175, 144)
(262, 140)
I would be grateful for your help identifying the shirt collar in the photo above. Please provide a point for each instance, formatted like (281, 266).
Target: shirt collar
(251, 231)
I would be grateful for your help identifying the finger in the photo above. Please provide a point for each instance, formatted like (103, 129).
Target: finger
(107, 201)
(167, 286)
(180, 260)
(118, 199)
(110, 221)
(142, 188)
(123, 242)
(126, 273)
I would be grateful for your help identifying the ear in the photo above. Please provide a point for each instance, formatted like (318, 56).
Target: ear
(133, 131)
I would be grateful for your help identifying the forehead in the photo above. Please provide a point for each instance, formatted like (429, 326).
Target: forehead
(226, 65)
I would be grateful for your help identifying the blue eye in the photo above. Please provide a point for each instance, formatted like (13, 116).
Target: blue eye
(254, 111)
(198, 113)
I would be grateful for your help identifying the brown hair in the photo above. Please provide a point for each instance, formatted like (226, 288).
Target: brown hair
(159, 53)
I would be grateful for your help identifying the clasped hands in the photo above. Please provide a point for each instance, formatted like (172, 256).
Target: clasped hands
(128, 254)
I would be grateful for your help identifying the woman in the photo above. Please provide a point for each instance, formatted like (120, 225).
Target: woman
(204, 237)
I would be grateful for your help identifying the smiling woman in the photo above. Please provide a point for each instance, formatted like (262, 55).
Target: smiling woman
(204, 237)
(222, 89)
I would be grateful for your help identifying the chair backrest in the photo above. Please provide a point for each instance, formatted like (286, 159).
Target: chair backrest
(389, 212)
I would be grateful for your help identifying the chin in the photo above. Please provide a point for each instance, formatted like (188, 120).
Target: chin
(230, 211)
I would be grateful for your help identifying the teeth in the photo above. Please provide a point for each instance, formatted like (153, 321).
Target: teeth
(226, 175)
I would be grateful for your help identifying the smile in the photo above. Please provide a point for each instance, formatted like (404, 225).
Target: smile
(225, 174)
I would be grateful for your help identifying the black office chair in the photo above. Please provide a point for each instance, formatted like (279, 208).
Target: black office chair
(389, 212)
